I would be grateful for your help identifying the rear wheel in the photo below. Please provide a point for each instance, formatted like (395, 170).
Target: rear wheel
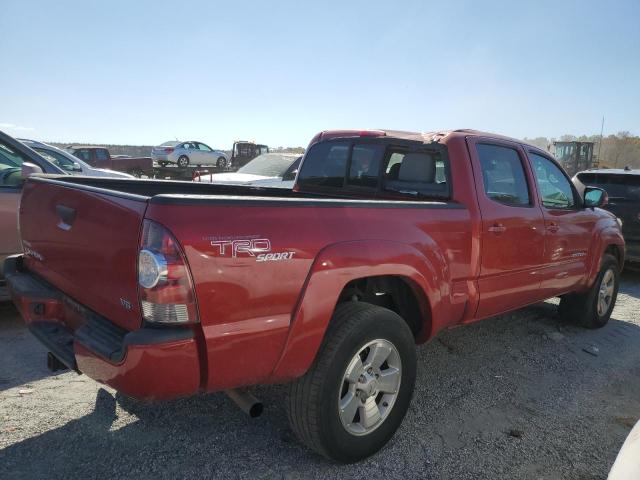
(183, 161)
(221, 163)
(136, 172)
(354, 397)
(593, 308)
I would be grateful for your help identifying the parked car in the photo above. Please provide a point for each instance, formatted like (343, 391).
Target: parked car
(386, 239)
(188, 153)
(623, 189)
(69, 163)
(276, 170)
(16, 161)
(99, 157)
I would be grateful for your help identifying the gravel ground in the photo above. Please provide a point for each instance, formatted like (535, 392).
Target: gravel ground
(519, 396)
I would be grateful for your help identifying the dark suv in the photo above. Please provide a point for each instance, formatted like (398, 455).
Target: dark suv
(623, 188)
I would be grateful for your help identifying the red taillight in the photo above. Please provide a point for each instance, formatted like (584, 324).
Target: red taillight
(169, 150)
(165, 286)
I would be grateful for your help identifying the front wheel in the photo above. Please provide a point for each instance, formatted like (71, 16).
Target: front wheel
(354, 397)
(593, 308)
(221, 163)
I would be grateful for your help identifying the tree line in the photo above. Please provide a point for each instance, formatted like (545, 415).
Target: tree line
(616, 151)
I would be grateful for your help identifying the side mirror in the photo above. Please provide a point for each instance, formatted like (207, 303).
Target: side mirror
(595, 197)
(76, 167)
(29, 169)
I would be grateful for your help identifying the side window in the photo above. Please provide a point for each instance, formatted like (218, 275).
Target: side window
(503, 175)
(83, 154)
(365, 165)
(554, 187)
(325, 165)
(416, 173)
(203, 147)
(10, 166)
(102, 155)
(187, 146)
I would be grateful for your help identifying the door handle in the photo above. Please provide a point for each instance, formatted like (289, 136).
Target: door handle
(553, 227)
(497, 228)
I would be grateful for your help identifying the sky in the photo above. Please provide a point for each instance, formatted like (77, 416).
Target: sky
(277, 72)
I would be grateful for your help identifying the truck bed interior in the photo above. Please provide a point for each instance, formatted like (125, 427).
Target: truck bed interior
(150, 187)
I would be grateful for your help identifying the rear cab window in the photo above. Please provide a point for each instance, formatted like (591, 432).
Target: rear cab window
(102, 154)
(376, 169)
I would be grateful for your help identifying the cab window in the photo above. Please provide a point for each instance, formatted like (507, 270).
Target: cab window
(553, 185)
(325, 165)
(503, 175)
(10, 166)
(102, 155)
(83, 154)
(364, 169)
(416, 174)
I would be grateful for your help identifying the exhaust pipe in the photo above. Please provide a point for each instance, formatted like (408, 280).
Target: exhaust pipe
(247, 402)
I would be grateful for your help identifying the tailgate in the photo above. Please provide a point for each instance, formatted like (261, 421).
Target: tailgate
(84, 241)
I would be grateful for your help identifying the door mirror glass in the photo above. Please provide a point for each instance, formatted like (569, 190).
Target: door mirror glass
(595, 197)
(29, 169)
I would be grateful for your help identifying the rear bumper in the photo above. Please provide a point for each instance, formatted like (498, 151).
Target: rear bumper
(149, 363)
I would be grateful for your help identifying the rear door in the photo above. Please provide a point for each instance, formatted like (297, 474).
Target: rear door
(568, 227)
(512, 243)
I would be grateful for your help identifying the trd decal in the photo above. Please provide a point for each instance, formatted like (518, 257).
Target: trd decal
(260, 248)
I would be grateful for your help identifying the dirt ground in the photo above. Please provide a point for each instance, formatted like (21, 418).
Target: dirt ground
(521, 396)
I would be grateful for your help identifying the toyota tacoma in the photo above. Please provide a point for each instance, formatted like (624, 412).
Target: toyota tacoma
(168, 289)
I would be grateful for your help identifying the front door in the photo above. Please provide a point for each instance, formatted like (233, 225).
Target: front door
(512, 243)
(568, 227)
(10, 189)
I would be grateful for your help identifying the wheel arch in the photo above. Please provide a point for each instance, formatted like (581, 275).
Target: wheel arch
(398, 268)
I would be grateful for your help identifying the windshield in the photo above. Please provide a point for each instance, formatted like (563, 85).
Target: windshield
(58, 158)
(268, 165)
(617, 186)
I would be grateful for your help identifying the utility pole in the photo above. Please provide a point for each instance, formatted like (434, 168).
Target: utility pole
(600, 144)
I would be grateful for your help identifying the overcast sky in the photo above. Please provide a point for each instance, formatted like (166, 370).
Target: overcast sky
(144, 72)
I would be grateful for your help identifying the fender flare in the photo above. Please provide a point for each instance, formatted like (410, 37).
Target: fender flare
(337, 265)
(609, 235)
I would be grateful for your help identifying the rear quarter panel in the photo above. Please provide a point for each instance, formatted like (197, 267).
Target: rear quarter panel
(247, 307)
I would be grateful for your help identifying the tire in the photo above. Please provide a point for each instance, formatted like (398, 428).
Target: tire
(183, 161)
(315, 413)
(136, 172)
(586, 309)
(221, 163)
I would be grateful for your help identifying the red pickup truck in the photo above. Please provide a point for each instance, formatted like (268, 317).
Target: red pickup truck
(100, 157)
(167, 289)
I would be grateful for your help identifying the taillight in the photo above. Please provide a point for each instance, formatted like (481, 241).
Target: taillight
(169, 150)
(165, 284)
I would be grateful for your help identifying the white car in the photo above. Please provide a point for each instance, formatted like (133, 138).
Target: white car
(188, 153)
(69, 163)
(267, 170)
